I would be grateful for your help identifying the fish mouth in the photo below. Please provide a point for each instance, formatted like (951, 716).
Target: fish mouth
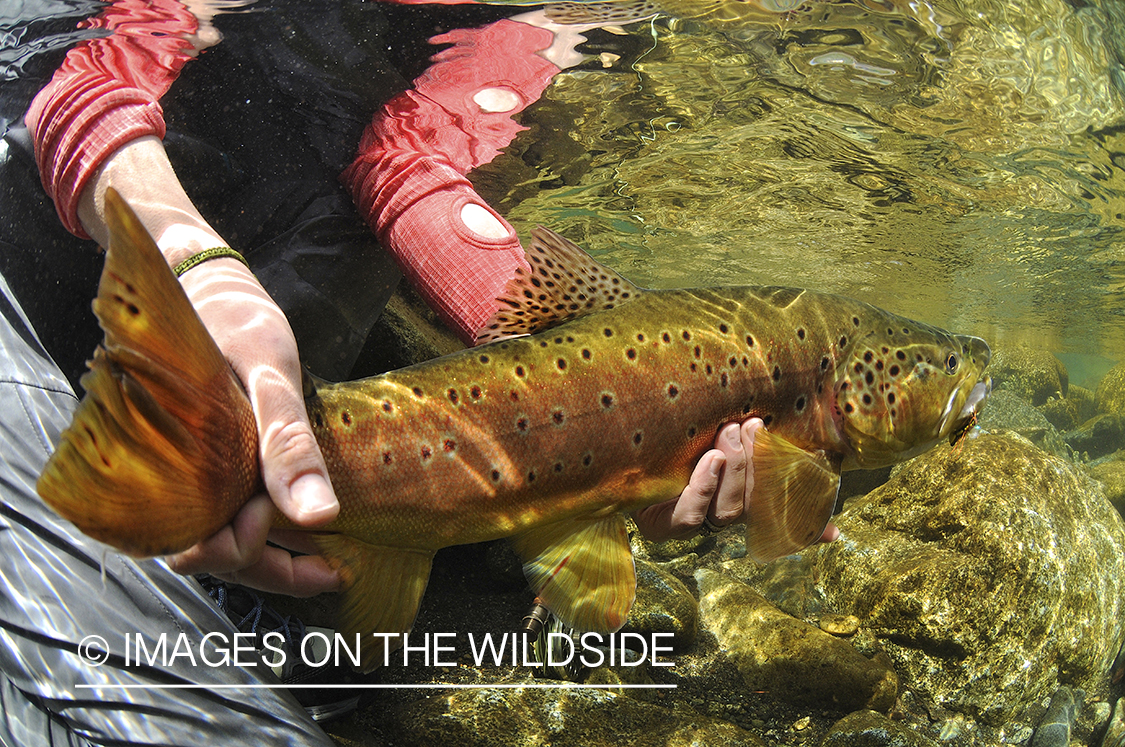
(967, 418)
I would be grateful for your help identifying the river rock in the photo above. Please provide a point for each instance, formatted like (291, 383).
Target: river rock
(1098, 436)
(1110, 394)
(1110, 472)
(560, 718)
(1008, 411)
(786, 657)
(986, 572)
(872, 729)
(1031, 373)
(663, 605)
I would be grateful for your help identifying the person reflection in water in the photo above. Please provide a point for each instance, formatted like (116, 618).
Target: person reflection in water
(99, 123)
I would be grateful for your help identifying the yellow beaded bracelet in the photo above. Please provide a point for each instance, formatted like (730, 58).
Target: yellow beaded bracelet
(212, 253)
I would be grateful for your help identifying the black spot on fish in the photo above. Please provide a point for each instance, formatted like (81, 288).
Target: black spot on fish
(484, 359)
(848, 408)
(867, 399)
(698, 351)
(686, 335)
(879, 365)
(631, 354)
(531, 476)
(673, 391)
(607, 332)
(453, 396)
(724, 328)
(387, 406)
(824, 363)
(558, 341)
(869, 356)
(843, 342)
(637, 438)
(587, 460)
(417, 391)
(855, 321)
(569, 338)
(586, 354)
(733, 362)
(869, 377)
(890, 398)
(800, 333)
(496, 475)
(387, 459)
(691, 432)
(474, 392)
(893, 371)
(800, 404)
(558, 466)
(708, 369)
(558, 416)
(776, 376)
(521, 425)
(561, 363)
(724, 379)
(693, 368)
(905, 331)
(520, 371)
(666, 337)
(543, 344)
(426, 452)
(890, 332)
(514, 395)
(346, 417)
(607, 400)
(449, 445)
(749, 341)
(640, 338)
(859, 368)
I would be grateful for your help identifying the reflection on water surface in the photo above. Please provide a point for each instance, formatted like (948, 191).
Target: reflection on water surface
(958, 162)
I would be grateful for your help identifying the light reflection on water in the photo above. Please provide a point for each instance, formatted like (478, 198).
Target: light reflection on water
(961, 163)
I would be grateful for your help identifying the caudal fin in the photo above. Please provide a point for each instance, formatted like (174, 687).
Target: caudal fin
(163, 448)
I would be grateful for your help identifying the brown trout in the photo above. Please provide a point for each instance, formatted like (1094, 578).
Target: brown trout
(548, 438)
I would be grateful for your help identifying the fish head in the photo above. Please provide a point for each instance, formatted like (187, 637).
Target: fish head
(905, 386)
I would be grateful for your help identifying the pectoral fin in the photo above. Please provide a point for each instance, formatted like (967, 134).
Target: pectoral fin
(383, 587)
(582, 571)
(794, 494)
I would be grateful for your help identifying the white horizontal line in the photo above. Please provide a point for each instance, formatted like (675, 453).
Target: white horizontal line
(408, 686)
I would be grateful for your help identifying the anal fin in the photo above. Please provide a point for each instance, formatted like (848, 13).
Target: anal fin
(582, 571)
(382, 589)
(794, 494)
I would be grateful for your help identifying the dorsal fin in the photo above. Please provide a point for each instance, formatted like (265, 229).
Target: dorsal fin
(565, 282)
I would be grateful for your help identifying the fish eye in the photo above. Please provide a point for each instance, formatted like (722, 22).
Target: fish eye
(951, 363)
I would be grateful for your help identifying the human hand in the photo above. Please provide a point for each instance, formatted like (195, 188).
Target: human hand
(718, 492)
(256, 339)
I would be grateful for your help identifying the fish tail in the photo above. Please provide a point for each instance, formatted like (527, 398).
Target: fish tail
(162, 451)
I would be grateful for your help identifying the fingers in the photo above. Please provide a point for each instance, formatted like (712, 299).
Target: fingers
(238, 553)
(682, 516)
(732, 491)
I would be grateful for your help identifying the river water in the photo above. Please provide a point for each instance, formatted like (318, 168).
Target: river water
(962, 163)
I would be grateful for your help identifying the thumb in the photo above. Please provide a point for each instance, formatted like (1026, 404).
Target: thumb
(292, 466)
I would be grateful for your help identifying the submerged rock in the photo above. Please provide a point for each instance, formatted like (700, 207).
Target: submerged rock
(788, 658)
(560, 718)
(1054, 728)
(871, 729)
(1110, 395)
(1032, 374)
(663, 605)
(1011, 412)
(988, 573)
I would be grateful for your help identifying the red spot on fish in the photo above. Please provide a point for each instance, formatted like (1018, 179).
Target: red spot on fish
(426, 452)
(453, 397)
(346, 417)
(514, 395)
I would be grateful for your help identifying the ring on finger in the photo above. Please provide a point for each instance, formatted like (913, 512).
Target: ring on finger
(709, 527)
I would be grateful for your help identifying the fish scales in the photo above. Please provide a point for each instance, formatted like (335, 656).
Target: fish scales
(614, 411)
(593, 398)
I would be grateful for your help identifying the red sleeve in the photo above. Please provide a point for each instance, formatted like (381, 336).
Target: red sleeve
(105, 95)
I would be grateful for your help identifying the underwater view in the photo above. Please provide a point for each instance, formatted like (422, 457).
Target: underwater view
(956, 162)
